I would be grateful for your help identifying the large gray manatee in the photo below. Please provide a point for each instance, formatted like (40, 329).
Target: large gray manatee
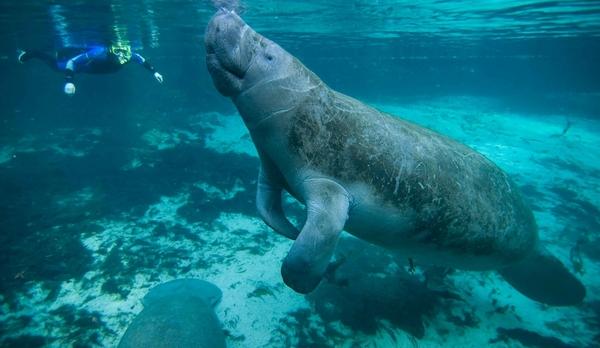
(383, 179)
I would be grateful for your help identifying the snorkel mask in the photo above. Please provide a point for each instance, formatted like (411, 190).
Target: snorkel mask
(123, 53)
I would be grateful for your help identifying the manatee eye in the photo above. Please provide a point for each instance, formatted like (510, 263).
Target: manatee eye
(269, 57)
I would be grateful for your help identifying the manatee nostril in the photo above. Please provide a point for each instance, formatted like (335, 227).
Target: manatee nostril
(210, 49)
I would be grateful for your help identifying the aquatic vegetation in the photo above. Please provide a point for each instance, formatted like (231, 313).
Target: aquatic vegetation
(467, 318)
(112, 267)
(592, 249)
(594, 321)
(255, 243)
(533, 196)
(297, 331)
(529, 339)
(125, 260)
(562, 164)
(82, 327)
(202, 207)
(31, 341)
(45, 255)
(176, 232)
(573, 207)
(261, 291)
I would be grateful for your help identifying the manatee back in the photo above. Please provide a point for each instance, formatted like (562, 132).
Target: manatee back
(177, 314)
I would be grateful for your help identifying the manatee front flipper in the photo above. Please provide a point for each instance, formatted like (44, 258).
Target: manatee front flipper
(543, 278)
(327, 206)
(268, 202)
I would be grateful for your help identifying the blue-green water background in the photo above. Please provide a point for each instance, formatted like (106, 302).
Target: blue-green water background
(530, 57)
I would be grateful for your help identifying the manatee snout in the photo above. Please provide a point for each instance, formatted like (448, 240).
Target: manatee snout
(227, 52)
(223, 31)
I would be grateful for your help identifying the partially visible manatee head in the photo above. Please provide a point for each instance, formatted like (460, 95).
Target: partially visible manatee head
(238, 57)
(180, 288)
(178, 313)
(261, 78)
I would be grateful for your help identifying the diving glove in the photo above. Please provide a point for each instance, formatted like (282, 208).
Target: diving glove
(158, 77)
(69, 88)
(20, 54)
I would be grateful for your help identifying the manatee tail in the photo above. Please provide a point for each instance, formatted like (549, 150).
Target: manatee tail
(543, 278)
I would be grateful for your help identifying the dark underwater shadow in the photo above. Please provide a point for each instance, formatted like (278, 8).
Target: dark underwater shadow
(368, 287)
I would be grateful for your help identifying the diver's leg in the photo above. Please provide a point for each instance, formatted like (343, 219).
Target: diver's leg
(47, 58)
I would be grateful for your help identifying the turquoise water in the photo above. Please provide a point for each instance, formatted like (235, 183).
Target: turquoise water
(130, 183)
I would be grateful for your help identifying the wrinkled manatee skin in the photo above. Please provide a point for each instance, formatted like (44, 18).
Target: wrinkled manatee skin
(183, 319)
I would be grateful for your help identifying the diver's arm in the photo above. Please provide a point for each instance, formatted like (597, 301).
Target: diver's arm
(146, 64)
(70, 68)
(78, 61)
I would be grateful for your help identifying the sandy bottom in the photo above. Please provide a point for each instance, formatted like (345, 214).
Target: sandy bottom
(242, 256)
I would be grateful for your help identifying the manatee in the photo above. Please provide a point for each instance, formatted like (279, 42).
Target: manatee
(381, 178)
(178, 313)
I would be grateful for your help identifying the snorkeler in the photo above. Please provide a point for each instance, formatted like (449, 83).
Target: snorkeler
(91, 60)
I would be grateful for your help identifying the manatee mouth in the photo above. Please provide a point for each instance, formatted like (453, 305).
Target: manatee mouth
(232, 69)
